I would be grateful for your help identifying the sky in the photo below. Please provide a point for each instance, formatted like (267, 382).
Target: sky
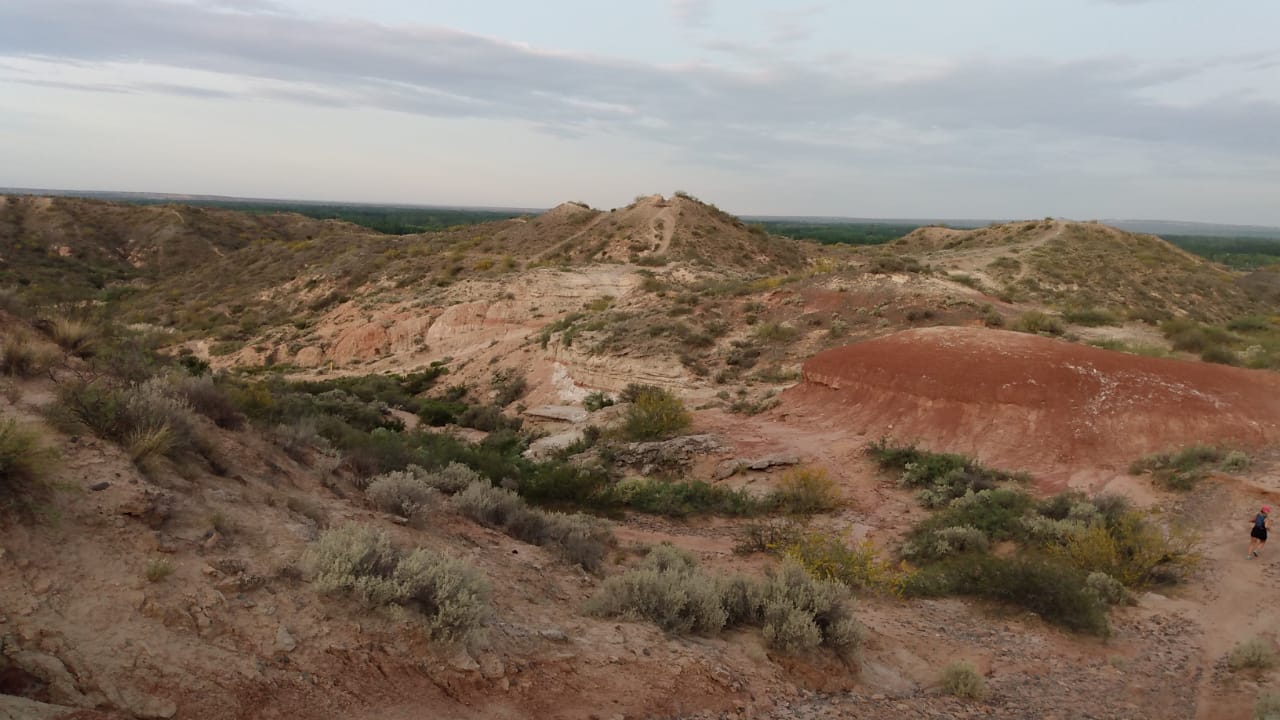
(995, 109)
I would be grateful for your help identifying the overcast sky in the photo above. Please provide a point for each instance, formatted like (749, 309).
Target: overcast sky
(1166, 109)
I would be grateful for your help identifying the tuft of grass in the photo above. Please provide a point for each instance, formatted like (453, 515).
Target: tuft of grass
(149, 441)
(23, 461)
(805, 491)
(1252, 654)
(158, 569)
(74, 335)
(963, 680)
(22, 354)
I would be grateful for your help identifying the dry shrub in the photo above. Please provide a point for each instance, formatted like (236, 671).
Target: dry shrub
(22, 354)
(205, 397)
(23, 461)
(806, 491)
(1254, 653)
(449, 595)
(963, 680)
(158, 569)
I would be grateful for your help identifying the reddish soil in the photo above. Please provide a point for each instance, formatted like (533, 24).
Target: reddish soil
(1022, 401)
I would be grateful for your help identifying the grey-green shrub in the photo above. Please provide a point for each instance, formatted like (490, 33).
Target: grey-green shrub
(666, 589)
(963, 680)
(795, 611)
(452, 478)
(1109, 589)
(578, 538)
(401, 492)
(448, 595)
(945, 542)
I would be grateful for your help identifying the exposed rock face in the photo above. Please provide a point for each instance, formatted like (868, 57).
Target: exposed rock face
(565, 413)
(678, 452)
(1023, 401)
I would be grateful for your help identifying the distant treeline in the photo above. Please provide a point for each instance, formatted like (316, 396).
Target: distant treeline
(1242, 253)
(833, 233)
(389, 220)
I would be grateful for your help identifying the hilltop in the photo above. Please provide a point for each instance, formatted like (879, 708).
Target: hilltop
(1086, 265)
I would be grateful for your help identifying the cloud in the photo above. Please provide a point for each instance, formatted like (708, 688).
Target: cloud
(691, 13)
(961, 114)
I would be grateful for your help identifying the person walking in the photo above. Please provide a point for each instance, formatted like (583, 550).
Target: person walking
(1258, 535)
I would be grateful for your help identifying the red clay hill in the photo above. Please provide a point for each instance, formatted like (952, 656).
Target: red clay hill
(1021, 401)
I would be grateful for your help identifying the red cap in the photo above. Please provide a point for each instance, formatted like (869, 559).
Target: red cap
(1266, 508)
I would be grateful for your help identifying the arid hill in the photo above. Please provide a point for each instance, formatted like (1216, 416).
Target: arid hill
(270, 467)
(1022, 401)
(1085, 265)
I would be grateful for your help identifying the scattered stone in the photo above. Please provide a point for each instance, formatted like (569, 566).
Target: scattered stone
(491, 667)
(463, 662)
(100, 486)
(554, 635)
(285, 641)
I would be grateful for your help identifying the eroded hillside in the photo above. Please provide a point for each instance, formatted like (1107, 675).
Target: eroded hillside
(637, 463)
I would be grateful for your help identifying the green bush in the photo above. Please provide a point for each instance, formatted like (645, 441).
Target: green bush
(1051, 588)
(1254, 653)
(1091, 317)
(679, 499)
(1220, 355)
(941, 477)
(963, 680)
(655, 414)
(596, 401)
(1110, 590)
(449, 595)
(1179, 470)
(148, 419)
(1034, 321)
(832, 557)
